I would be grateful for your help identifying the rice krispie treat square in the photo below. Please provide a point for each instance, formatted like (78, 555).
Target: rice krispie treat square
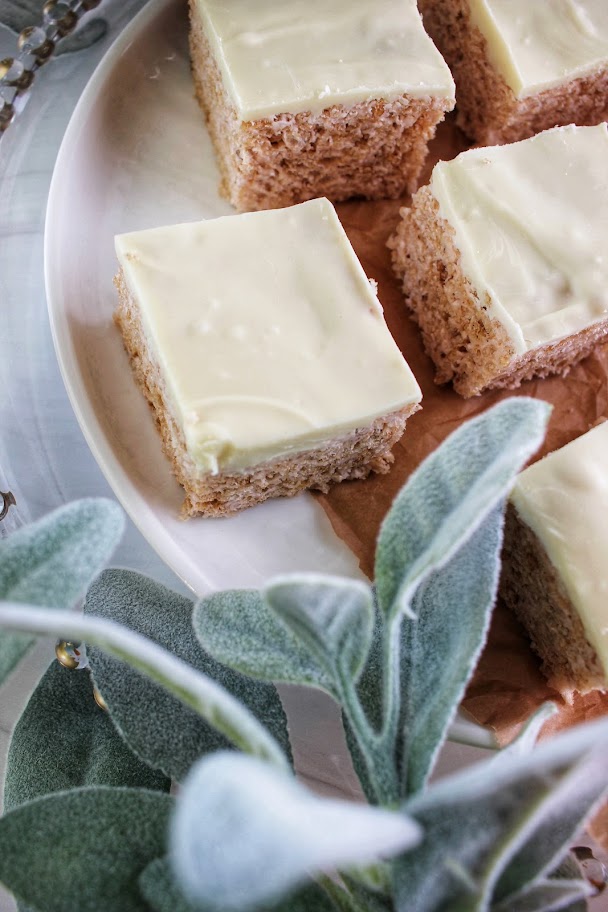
(555, 561)
(503, 259)
(523, 66)
(262, 348)
(309, 98)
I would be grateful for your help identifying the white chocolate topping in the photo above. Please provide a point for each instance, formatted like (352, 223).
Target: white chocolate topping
(563, 498)
(289, 56)
(530, 223)
(269, 336)
(540, 44)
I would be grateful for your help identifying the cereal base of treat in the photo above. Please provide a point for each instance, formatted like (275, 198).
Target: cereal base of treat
(487, 109)
(531, 587)
(371, 150)
(467, 345)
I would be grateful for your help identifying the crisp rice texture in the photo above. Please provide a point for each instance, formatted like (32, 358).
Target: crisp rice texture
(469, 347)
(353, 455)
(487, 109)
(532, 588)
(373, 149)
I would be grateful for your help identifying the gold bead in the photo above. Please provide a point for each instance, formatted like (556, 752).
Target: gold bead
(49, 7)
(24, 37)
(64, 651)
(34, 39)
(8, 498)
(44, 51)
(67, 23)
(24, 81)
(20, 79)
(7, 112)
(99, 699)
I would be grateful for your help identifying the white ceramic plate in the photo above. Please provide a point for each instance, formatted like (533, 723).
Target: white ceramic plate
(137, 155)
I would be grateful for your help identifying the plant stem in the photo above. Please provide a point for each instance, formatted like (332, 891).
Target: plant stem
(201, 693)
(380, 749)
(380, 765)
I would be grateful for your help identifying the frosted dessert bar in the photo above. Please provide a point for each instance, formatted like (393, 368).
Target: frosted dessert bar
(555, 561)
(309, 98)
(262, 348)
(503, 259)
(523, 66)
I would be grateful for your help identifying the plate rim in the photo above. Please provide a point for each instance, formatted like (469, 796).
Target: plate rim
(63, 346)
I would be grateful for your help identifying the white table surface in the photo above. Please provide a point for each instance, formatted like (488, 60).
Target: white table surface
(44, 459)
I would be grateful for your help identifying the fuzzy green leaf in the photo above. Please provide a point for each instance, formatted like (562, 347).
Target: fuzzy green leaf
(451, 493)
(369, 692)
(237, 817)
(548, 896)
(308, 898)
(476, 822)
(81, 746)
(332, 617)
(83, 848)
(51, 562)
(550, 830)
(239, 629)
(192, 688)
(438, 653)
(439, 650)
(173, 736)
(367, 899)
(160, 889)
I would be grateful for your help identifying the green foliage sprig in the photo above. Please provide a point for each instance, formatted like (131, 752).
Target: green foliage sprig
(186, 682)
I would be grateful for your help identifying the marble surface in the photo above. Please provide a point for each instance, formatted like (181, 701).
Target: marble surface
(44, 459)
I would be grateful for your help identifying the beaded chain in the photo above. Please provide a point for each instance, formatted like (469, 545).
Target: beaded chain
(36, 44)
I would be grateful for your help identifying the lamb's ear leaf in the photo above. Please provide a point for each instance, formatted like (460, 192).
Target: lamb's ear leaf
(549, 896)
(160, 890)
(369, 691)
(51, 562)
(237, 816)
(70, 848)
(359, 762)
(307, 898)
(238, 628)
(440, 649)
(173, 736)
(331, 616)
(81, 746)
(477, 822)
(158, 885)
(550, 831)
(368, 899)
(567, 875)
(450, 494)
(214, 703)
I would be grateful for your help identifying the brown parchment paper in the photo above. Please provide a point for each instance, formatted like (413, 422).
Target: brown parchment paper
(508, 684)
